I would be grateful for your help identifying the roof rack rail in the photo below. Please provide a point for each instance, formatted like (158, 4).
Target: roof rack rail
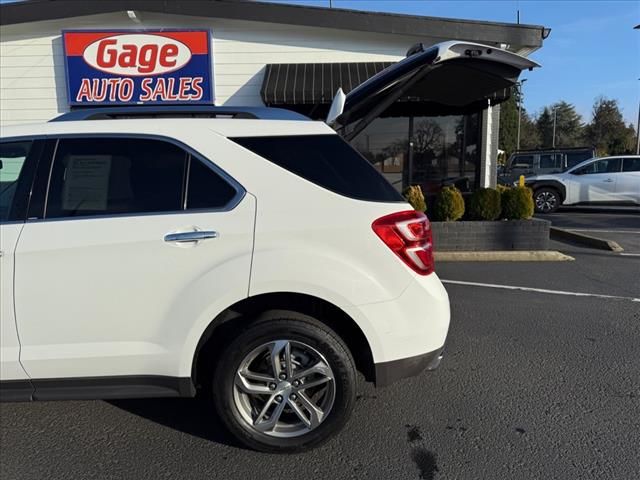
(178, 111)
(550, 149)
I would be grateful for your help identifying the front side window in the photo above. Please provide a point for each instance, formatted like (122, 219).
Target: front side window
(108, 176)
(12, 159)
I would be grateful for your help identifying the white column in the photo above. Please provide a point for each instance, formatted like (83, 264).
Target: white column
(489, 145)
(487, 160)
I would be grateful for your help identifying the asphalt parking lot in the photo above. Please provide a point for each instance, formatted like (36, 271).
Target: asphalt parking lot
(620, 224)
(535, 385)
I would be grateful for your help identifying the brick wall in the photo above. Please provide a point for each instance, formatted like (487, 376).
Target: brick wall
(491, 236)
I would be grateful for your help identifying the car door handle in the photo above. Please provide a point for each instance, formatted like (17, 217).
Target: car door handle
(608, 180)
(195, 236)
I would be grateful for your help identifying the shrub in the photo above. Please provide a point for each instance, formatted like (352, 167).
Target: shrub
(485, 204)
(449, 205)
(415, 197)
(502, 188)
(517, 203)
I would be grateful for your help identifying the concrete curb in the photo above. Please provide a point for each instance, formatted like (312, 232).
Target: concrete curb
(504, 256)
(594, 242)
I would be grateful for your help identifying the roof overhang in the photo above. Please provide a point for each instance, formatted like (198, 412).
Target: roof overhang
(517, 35)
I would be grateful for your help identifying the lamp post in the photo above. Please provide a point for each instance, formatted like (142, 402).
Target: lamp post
(637, 27)
(519, 84)
(638, 131)
(555, 115)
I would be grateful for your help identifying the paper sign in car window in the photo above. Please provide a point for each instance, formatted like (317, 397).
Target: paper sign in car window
(86, 185)
(10, 170)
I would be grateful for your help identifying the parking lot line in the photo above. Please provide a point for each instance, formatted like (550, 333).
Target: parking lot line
(539, 290)
(629, 254)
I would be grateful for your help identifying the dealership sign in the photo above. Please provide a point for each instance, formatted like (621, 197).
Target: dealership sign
(138, 66)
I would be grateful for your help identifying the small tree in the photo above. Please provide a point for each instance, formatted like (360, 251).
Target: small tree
(607, 130)
(485, 204)
(415, 197)
(517, 203)
(569, 128)
(449, 205)
(508, 134)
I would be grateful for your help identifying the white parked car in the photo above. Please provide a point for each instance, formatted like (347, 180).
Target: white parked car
(597, 181)
(251, 253)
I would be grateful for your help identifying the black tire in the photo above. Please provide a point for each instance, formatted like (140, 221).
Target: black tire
(300, 329)
(546, 200)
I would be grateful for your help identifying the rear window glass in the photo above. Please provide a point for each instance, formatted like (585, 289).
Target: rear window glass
(327, 161)
(631, 165)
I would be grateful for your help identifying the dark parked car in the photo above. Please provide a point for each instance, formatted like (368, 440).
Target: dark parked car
(541, 162)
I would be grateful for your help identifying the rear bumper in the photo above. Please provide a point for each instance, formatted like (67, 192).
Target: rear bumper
(390, 372)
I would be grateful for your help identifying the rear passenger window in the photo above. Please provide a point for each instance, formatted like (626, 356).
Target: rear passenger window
(206, 188)
(631, 165)
(327, 161)
(522, 161)
(551, 160)
(106, 176)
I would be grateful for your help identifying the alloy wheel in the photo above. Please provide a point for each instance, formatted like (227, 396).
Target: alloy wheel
(546, 201)
(284, 388)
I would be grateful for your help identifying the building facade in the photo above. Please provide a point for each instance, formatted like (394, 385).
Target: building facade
(278, 55)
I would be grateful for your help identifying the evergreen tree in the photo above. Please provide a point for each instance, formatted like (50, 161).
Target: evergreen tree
(569, 128)
(508, 125)
(508, 136)
(607, 130)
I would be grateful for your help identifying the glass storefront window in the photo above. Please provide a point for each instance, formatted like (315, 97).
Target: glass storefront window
(426, 151)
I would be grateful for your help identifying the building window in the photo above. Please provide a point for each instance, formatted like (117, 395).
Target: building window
(426, 151)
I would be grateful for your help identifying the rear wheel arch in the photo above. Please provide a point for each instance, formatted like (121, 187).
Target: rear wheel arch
(233, 320)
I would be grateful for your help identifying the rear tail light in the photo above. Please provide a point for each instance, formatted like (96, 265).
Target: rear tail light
(408, 235)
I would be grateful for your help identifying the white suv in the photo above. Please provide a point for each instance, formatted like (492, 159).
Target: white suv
(597, 181)
(265, 259)
(254, 255)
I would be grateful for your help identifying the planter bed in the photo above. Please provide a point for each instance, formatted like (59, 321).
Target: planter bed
(490, 236)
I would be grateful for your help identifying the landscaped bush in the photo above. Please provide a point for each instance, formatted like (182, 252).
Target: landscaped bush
(502, 188)
(484, 204)
(415, 197)
(449, 205)
(517, 203)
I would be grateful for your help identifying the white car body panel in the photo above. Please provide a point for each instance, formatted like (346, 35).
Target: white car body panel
(628, 187)
(160, 298)
(10, 368)
(108, 296)
(597, 187)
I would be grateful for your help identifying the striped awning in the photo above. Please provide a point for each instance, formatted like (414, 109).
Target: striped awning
(309, 88)
(313, 83)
